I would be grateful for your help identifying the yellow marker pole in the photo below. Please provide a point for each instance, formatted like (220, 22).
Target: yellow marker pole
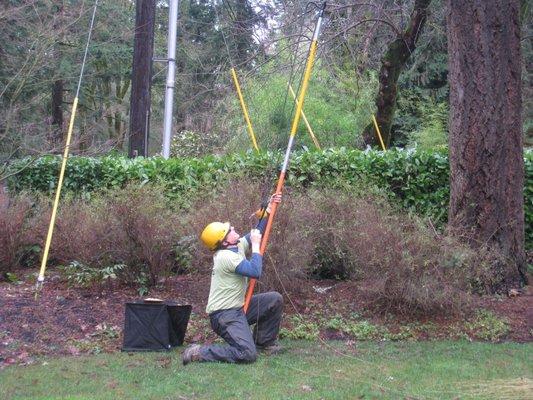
(58, 193)
(244, 110)
(44, 260)
(378, 132)
(315, 141)
(294, 128)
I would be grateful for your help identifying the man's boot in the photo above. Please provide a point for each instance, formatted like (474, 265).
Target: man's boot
(191, 353)
(270, 349)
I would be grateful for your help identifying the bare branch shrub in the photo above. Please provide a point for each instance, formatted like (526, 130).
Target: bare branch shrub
(134, 226)
(14, 215)
(403, 267)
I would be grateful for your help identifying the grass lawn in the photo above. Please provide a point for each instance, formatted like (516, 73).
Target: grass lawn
(307, 370)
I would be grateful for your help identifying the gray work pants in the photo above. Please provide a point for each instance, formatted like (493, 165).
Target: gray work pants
(234, 327)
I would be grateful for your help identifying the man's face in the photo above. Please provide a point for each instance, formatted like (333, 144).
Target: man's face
(232, 236)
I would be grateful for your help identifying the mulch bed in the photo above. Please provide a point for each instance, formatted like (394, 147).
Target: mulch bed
(71, 321)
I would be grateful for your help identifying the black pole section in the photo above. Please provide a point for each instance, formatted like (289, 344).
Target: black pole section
(141, 76)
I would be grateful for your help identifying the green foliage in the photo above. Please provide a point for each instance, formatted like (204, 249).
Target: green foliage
(487, 326)
(432, 132)
(300, 329)
(337, 108)
(12, 277)
(142, 280)
(415, 180)
(363, 330)
(528, 197)
(192, 144)
(79, 274)
(404, 333)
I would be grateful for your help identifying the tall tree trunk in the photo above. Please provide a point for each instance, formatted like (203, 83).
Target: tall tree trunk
(141, 76)
(58, 86)
(392, 64)
(486, 148)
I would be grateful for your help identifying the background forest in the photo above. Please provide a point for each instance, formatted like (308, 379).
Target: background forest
(431, 239)
(41, 46)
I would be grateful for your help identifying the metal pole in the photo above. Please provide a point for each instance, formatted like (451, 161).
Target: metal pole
(171, 73)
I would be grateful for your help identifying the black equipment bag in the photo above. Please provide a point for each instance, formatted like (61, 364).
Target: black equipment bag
(154, 326)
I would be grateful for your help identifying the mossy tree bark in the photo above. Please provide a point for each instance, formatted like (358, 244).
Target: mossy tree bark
(486, 143)
(392, 64)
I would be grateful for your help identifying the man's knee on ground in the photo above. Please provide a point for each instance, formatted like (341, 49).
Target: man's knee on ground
(248, 355)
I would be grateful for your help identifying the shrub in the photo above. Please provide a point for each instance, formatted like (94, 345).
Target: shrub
(417, 181)
(135, 228)
(487, 326)
(193, 144)
(300, 329)
(78, 274)
(401, 262)
(403, 266)
(14, 241)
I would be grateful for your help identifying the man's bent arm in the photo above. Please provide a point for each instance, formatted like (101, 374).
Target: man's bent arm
(251, 268)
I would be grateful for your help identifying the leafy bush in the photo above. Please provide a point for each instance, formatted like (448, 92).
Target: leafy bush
(78, 274)
(487, 326)
(300, 329)
(363, 330)
(192, 144)
(418, 180)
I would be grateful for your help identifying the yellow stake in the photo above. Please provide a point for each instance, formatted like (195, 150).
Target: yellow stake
(378, 132)
(244, 110)
(40, 279)
(315, 141)
(300, 101)
(44, 260)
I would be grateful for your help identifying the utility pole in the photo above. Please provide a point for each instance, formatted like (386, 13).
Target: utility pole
(171, 73)
(141, 76)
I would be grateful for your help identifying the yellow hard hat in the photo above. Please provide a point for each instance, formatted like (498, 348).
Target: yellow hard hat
(214, 233)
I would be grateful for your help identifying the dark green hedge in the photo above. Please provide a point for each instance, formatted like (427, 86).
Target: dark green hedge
(418, 180)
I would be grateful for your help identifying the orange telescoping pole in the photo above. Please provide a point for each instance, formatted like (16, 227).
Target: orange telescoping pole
(294, 128)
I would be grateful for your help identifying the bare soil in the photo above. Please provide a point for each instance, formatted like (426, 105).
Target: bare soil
(74, 321)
